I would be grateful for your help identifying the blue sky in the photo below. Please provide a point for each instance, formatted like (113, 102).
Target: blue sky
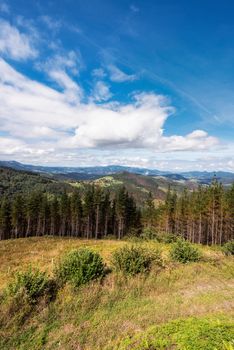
(146, 83)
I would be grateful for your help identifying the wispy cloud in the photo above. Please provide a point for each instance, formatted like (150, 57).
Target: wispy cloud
(70, 61)
(134, 8)
(101, 92)
(118, 76)
(99, 73)
(59, 68)
(16, 45)
(51, 23)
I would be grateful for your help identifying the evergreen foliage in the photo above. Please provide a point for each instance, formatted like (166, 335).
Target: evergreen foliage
(184, 252)
(204, 216)
(32, 282)
(92, 215)
(134, 259)
(228, 248)
(79, 267)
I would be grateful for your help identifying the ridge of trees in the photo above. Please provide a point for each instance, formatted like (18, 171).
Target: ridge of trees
(93, 215)
(205, 215)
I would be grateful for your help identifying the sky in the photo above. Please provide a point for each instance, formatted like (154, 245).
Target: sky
(146, 83)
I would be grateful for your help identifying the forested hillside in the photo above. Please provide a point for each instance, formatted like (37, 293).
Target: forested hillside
(32, 205)
(17, 181)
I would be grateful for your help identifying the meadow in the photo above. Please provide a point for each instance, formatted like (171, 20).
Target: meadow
(179, 306)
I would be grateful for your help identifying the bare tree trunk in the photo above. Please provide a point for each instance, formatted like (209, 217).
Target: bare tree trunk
(97, 222)
(106, 224)
(88, 228)
(200, 229)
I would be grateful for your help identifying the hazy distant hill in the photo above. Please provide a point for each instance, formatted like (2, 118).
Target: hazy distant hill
(83, 173)
(138, 181)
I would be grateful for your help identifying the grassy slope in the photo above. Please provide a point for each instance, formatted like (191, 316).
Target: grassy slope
(100, 316)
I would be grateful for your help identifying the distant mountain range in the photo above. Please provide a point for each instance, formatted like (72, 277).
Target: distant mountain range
(20, 178)
(95, 172)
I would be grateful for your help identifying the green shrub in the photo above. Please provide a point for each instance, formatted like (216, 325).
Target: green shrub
(161, 237)
(148, 234)
(32, 282)
(184, 252)
(228, 248)
(133, 260)
(79, 267)
(169, 238)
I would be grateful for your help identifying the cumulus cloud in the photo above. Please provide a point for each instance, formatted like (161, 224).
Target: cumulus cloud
(43, 122)
(196, 140)
(118, 75)
(14, 44)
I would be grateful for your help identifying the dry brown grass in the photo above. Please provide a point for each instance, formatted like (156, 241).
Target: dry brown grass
(42, 252)
(94, 315)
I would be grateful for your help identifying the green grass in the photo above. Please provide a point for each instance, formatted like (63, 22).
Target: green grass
(190, 334)
(171, 305)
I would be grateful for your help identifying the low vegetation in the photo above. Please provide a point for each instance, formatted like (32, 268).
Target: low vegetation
(181, 306)
(228, 248)
(80, 267)
(32, 282)
(131, 260)
(189, 334)
(184, 252)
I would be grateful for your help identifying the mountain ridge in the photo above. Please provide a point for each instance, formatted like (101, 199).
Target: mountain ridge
(113, 169)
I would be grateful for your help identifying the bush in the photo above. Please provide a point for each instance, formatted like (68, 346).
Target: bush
(149, 234)
(133, 260)
(161, 237)
(32, 282)
(184, 252)
(228, 248)
(79, 267)
(169, 238)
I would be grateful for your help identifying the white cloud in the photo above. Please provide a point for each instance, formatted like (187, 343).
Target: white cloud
(70, 61)
(101, 92)
(51, 23)
(99, 73)
(72, 90)
(58, 68)
(118, 75)
(14, 44)
(196, 140)
(10, 145)
(47, 125)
